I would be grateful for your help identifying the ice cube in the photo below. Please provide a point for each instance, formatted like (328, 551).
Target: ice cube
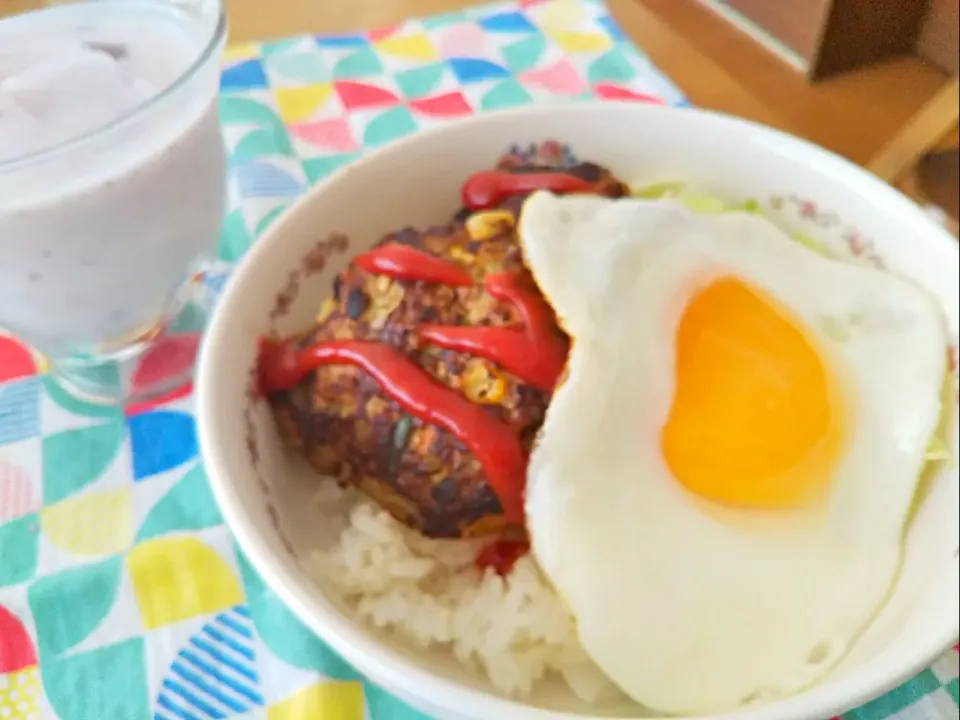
(140, 91)
(116, 50)
(19, 53)
(80, 76)
(69, 93)
(19, 133)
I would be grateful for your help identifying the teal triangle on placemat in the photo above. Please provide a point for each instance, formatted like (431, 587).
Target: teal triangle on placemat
(235, 239)
(508, 93)
(188, 506)
(524, 54)
(419, 81)
(318, 168)
(74, 459)
(284, 633)
(435, 22)
(71, 604)
(19, 548)
(389, 125)
(55, 392)
(261, 141)
(236, 110)
(268, 219)
(898, 699)
(191, 319)
(113, 679)
(270, 47)
(382, 704)
(303, 67)
(362, 63)
(612, 66)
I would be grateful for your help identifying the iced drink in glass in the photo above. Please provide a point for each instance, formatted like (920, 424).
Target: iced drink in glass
(112, 183)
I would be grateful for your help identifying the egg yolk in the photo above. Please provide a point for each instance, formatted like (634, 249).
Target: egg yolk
(755, 420)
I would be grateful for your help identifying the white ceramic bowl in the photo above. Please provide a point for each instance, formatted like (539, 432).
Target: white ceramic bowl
(265, 497)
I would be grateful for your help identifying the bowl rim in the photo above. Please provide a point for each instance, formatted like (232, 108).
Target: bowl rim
(346, 636)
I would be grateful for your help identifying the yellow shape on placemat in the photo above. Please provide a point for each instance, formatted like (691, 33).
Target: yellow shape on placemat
(561, 15)
(328, 700)
(408, 47)
(580, 42)
(100, 523)
(179, 578)
(299, 103)
(20, 695)
(240, 51)
(43, 364)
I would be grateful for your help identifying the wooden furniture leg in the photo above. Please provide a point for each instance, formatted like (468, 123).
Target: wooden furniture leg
(931, 123)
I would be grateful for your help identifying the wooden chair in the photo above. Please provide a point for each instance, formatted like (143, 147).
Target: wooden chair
(923, 159)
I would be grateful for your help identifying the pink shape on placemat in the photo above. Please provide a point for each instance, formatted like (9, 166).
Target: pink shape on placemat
(15, 360)
(446, 105)
(16, 492)
(16, 649)
(332, 134)
(530, 3)
(356, 96)
(463, 40)
(171, 357)
(383, 32)
(561, 78)
(609, 91)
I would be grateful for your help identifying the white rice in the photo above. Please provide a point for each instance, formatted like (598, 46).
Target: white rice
(514, 630)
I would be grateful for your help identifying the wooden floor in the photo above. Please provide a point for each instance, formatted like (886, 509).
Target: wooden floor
(715, 64)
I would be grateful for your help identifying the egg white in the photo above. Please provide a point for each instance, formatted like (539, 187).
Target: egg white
(687, 606)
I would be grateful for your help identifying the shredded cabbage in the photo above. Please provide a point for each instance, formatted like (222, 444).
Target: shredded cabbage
(938, 450)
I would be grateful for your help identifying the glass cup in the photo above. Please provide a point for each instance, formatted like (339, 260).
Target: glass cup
(105, 236)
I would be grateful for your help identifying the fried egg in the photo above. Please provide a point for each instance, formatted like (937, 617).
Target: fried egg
(720, 489)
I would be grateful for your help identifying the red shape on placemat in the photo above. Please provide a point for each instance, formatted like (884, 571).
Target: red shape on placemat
(16, 361)
(446, 105)
(383, 32)
(332, 134)
(561, 78)
(175, 394)
(171, 357)
(16, 492)
(16, 648)
(608, 91)
(356, 96)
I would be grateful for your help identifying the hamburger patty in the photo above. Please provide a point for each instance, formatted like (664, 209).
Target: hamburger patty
(348, 427)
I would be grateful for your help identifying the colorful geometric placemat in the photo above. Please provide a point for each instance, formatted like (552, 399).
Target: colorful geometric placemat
(122, 594)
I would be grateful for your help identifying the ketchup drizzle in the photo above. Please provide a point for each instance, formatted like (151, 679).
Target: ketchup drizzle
(488, 188)
(536, 353)
(502, 555)
(408, 263)
(492, 442)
